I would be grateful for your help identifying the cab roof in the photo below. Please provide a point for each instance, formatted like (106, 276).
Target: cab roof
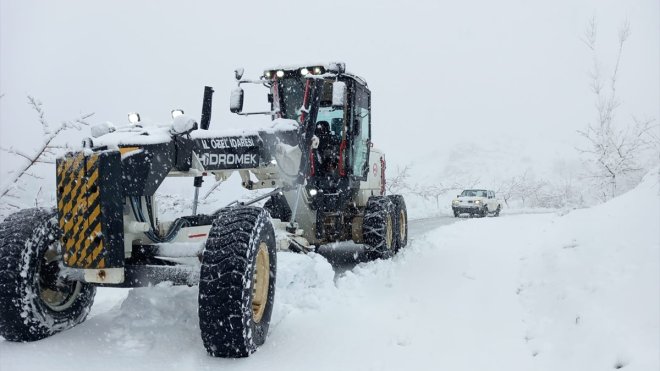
(327, 68)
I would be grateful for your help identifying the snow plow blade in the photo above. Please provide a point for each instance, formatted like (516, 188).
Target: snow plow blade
(89, 206)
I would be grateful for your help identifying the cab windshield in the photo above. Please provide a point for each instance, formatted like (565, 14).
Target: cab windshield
(292, 90)
(335, 120)
(332, 115)
(473, 193)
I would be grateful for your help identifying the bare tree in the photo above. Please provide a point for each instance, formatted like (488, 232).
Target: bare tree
(567, 191)
(434, 192)
(44, 154)
(399, 182)
(508, 188)
(520, 187)
(529, 188)
(612, 152)
(437, 190)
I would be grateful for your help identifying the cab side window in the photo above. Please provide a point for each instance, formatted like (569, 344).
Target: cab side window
(361, 131)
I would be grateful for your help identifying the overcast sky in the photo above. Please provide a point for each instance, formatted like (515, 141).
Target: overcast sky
(508, 74)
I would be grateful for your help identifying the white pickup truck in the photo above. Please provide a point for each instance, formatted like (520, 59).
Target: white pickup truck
(476, 202)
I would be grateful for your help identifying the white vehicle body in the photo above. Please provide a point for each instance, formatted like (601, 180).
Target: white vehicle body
(476, 202)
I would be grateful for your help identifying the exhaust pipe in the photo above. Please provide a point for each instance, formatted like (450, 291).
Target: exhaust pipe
(207, 105)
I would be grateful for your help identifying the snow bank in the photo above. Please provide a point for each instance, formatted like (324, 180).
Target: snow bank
(590, 286)
(518, 292)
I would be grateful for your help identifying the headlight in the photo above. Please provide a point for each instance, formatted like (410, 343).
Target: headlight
(176, 113)
(279, 73)
(313, 192)
(304, 71)
(133, 118)
(477, 201)
(455, 201)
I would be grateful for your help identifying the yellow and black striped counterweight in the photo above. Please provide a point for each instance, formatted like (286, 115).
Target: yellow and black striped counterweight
(89, 204)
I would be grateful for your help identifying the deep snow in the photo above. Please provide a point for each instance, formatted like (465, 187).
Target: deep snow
(520, 292)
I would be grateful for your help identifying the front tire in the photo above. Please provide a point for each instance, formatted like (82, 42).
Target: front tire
(237, 282)
(400, 222)
(35, 301)
(378, 227)
(497, 211)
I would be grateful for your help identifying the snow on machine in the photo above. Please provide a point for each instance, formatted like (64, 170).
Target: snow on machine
(325, 182)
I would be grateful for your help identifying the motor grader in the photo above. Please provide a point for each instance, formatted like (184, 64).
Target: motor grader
(323, 182)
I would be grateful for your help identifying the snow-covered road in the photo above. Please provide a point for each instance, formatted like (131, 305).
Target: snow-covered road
(519, 292)
(345, 256)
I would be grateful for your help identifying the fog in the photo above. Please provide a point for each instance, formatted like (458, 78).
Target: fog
(507, 77)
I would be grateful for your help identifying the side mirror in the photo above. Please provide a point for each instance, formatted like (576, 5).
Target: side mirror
(236, 100)
(338, 94)
(238, 73)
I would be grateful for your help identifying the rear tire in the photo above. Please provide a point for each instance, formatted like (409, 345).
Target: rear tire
(497, 212)
(278, 208)
(378, 228)
(400, 222)
(484, 212)
(35, 302)
(237, 282)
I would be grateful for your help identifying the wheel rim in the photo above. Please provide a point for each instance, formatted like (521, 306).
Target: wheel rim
(403, 225)
(261, 282)
(55, 291)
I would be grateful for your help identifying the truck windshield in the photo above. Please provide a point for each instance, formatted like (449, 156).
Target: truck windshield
(473, 193)
(292, 91)
(335, 118)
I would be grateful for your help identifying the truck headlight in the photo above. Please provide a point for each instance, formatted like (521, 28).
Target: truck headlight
(477, 202)
(133, 118)
(455, 202)
(313, 192)
(176, 113)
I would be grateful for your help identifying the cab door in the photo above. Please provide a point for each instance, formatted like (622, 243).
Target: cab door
(492, 201)
(360, 132)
